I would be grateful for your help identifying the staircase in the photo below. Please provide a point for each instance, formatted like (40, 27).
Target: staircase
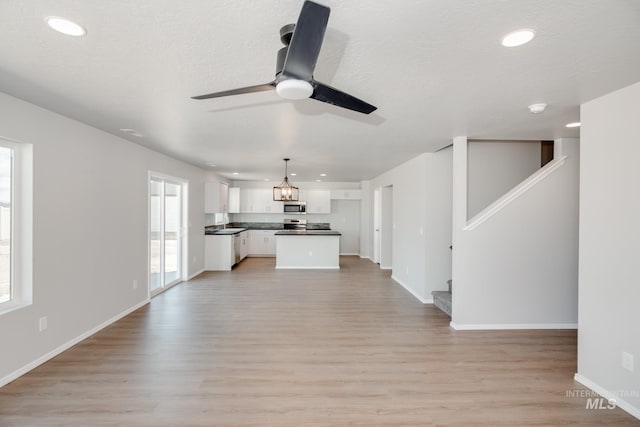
(442, 299)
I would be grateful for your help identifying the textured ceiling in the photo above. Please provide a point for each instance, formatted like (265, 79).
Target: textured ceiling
(435, 69)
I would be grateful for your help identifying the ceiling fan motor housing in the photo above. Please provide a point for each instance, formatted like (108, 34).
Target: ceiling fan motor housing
(285, 36)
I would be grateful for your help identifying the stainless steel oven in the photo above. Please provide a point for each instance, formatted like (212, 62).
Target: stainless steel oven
(295, 224)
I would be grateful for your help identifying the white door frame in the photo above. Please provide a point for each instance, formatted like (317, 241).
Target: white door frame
(386, 227)
(183, 237)
(377, 206)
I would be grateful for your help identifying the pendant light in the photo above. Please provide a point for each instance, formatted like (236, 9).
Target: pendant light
(285, 192)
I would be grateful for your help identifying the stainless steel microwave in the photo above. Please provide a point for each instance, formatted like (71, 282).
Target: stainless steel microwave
(295, 208)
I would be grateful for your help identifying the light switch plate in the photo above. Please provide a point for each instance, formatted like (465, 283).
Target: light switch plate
(627, 361)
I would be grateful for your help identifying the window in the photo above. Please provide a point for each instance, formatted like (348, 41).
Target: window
(15, 224)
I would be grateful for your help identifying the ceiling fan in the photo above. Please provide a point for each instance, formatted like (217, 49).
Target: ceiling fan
(297, 61)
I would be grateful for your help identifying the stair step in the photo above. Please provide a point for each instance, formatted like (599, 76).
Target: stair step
(442, 300)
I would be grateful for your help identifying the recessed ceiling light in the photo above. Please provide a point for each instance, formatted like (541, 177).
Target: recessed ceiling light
(132, 132)
(323, 174)
(518, 38)
(236, 173)
(318, 180)
(537, 108)
(293, 174)
(573, 125)
(64, 26)
(266, 179)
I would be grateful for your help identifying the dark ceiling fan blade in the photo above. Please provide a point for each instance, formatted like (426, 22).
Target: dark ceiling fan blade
(324, 93)
(306, 41)
(240, 91)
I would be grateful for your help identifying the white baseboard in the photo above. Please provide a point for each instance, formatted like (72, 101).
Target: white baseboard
(385, 268)
(422, 300)
(620, 402)
(197, 273)
(53, 353)
(307, 268)
(350, 254)
(507, 326)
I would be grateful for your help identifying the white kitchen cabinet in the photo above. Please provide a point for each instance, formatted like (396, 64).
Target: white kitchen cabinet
(262, 243)
(270, 244)
(246, 200)
(318, 201)
(263, 201)
(244, 244)
(348, 194)
(258, 200)
(234, 200)
(219, 253)
(216, 197)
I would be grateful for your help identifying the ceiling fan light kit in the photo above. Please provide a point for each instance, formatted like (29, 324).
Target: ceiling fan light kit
(297, 61)
(285, 192)
(294, 89)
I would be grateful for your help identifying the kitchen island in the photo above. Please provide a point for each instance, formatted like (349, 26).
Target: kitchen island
(310, 249)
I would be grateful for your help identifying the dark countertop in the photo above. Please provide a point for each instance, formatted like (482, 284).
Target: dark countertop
(224, 231)
(308, 233)
(258, 225)
(217, 230)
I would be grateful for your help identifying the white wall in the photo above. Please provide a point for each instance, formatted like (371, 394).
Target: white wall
(495, 167)
(518, 269)
(609, 306)
(90, 228)
(422, 218)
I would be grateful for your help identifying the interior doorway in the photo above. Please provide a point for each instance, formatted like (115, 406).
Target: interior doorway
(167, 213)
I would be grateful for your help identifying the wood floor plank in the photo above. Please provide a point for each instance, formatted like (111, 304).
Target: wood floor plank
(256, 346)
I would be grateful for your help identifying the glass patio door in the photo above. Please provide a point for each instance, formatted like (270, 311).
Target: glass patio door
(165, 233)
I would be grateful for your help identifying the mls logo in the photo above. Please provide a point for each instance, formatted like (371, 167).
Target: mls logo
(600, 403)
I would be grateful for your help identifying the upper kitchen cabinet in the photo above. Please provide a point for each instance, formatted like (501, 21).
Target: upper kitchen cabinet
(258, 200)
(263, 201)
(234, 200)
(216, 197)
(318, 201)
(347, 194)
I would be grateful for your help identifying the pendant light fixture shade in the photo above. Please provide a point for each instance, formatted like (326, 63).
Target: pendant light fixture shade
(285, 192)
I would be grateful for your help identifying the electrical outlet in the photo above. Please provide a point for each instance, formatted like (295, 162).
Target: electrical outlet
(310, 253)
(43, 323)
(194, 259)
(627, 361)
(135, 284)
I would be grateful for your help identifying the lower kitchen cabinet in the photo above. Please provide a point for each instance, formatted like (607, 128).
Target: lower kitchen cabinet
(219, 253)
(262, 243)
(244, 244)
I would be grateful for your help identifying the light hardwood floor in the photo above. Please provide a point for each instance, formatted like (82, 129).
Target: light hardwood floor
(257, 346)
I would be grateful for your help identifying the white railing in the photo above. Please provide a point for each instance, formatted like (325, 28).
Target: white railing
(514, 193)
